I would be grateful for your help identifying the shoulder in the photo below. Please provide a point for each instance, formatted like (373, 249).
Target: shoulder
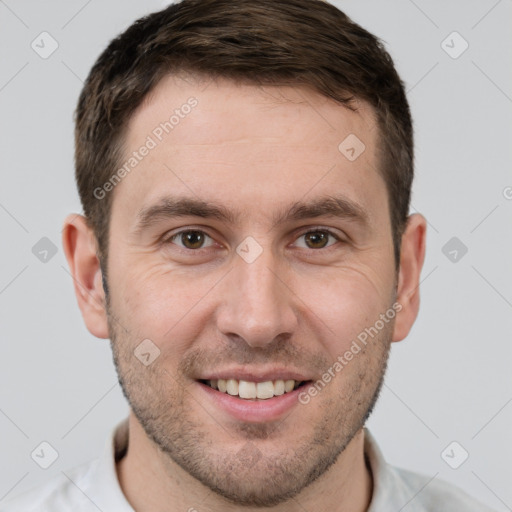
(426, 494)
(89, 487)
(63, 492)
(395, 488)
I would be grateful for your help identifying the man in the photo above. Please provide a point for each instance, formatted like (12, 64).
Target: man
(245, 171)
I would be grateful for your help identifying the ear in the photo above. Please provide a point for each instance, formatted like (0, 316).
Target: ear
(80, 245)
(412, 255)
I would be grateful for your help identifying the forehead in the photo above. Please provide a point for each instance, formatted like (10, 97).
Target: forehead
(247, 146)
(247, 110)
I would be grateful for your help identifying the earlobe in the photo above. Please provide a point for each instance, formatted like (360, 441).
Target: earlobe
(79, 245)
(412, 256)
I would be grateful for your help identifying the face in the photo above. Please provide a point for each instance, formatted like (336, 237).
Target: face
(246, 246)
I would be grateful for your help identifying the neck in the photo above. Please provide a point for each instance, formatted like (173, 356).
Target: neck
(151, 481)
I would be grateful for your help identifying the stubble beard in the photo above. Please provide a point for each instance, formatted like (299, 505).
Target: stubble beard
(261, 470)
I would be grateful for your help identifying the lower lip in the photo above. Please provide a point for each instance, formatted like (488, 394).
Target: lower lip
(254, 411)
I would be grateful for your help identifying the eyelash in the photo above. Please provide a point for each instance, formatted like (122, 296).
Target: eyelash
(316, 229)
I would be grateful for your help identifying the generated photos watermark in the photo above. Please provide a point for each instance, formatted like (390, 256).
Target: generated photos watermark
(355, 347)
(157, 135)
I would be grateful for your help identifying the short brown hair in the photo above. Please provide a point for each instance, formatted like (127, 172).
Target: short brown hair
(265, 42)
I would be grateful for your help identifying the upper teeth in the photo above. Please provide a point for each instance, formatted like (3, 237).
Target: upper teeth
(246, 389)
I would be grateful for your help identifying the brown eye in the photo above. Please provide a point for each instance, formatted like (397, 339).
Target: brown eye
(317, 239)
(192, 239)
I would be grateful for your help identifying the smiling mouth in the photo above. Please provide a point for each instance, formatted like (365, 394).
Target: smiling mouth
(247, 390)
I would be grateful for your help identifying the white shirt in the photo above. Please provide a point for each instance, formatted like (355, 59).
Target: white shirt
(94, 486)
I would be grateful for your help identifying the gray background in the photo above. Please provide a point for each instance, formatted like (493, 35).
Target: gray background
(449, 381)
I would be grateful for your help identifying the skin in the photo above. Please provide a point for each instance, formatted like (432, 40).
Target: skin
(256, 151)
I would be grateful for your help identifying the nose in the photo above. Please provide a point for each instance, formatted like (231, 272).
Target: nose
(257, 302)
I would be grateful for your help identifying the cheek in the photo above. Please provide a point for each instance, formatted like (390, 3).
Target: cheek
(343, 305)
(163, 304)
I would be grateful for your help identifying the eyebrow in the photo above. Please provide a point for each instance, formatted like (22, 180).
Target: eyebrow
(169, 207)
